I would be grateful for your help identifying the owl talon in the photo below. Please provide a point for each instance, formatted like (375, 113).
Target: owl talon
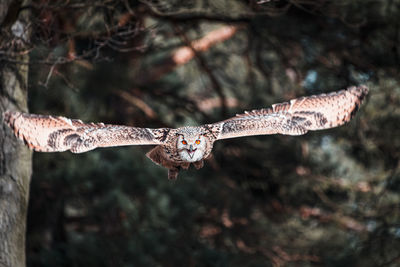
(198, 164)
(185, 165)
(173, 173)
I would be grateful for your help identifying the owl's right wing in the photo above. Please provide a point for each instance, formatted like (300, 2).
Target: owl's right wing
(54, 134)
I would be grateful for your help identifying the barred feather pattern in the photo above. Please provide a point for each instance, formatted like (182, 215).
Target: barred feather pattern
(54, 134)
(298, 116)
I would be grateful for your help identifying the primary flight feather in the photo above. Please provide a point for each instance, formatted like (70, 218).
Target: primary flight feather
(178, 148)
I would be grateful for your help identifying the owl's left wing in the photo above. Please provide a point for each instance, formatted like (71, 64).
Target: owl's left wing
(297, 116)
(54, 134)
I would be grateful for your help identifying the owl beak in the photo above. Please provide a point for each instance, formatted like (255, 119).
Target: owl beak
(191, 151)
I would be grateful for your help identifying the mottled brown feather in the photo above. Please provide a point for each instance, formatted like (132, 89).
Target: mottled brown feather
(53, 134)
(297, 116)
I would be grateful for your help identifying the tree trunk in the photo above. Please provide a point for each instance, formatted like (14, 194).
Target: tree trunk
(15, 159)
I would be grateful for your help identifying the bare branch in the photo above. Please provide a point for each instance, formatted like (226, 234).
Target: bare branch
(203, 63)
(186, 53)
(139, 103)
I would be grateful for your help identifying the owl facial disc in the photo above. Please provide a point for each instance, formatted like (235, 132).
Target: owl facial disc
(190, 144)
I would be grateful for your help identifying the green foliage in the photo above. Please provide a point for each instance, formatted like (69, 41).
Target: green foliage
(329, 198)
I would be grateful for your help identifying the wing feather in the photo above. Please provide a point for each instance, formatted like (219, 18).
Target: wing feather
(297, 116)
(52, 134)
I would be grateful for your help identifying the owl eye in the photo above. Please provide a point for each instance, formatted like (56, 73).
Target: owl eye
(184, 142)
(197, 142)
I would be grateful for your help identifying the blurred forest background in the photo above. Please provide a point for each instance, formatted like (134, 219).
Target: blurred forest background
(328, 198)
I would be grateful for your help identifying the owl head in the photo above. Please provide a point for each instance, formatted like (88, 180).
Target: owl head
(191, 144)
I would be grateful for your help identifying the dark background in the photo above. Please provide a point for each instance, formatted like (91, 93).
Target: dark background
(328, 198)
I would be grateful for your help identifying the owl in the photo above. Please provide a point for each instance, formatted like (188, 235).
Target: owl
(176, 149)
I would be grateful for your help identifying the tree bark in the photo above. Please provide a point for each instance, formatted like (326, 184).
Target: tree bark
(15, 159)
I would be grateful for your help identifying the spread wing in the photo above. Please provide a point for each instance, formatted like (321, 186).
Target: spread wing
(297, 116)
(53, 134)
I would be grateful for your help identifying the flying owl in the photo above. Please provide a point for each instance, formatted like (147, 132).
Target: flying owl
(177, 148)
